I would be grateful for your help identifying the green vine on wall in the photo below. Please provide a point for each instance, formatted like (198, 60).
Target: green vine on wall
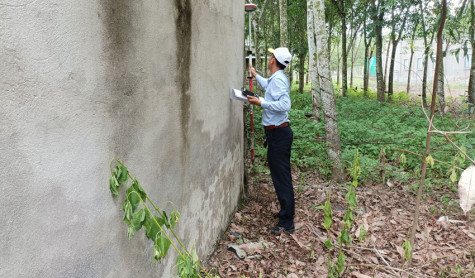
(157, 227)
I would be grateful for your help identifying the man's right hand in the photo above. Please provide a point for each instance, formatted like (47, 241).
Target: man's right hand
(253, 71)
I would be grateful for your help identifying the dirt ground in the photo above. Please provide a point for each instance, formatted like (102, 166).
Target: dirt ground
(442, 249)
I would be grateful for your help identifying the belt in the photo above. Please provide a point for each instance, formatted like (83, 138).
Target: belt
(270, 127)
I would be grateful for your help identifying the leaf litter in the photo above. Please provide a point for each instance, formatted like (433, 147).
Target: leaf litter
(441, 249)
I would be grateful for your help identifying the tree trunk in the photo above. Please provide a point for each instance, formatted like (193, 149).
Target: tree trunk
(338, 66)
(378, 30)
(344, 56)
(471, 81)
(391, 71)
(386, 66)
(328, 96)
(395, 41)
(366, 62)
(428, 139)
(427, 45)
(301, 73)
(352, 63)
(410, 59)
(440, 86)
(424, 77)
(284, 35)
(308, 70)
(312, 62)
(365, 71)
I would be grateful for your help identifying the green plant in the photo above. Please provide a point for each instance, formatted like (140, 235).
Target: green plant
(336, 266)
(156, 226)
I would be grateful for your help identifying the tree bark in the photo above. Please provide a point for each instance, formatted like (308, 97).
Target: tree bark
(395, 41)
(471, 81)
(409, 71)
(328, 96)
(338, 59)
(367, 45)
(440, 86)
(426, 57)
(344, 56)
(378, 16)
(352, 63)
(386, 66)
(284, 35)
(301, 73)
(312, 62)
(428, 139)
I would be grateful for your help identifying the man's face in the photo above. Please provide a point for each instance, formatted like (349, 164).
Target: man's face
(271, 60)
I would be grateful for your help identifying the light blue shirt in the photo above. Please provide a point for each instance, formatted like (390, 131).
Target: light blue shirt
(277, 99)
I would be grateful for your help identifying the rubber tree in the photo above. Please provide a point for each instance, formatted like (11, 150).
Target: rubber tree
(326, 88)
(426, 33)
(312, 62)
(414, 22)
(367, 38)
(284, 30)
(399, 15)
(377, 16)
(341, 7)
(297, 14)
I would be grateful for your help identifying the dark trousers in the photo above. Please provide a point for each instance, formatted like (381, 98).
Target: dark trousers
(279, 143)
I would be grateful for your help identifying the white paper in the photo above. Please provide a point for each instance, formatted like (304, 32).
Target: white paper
(237, 95)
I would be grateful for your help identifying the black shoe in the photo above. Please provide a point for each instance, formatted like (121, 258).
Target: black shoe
(279, 229)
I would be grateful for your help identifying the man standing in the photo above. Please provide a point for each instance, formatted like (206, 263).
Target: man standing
(279, 135)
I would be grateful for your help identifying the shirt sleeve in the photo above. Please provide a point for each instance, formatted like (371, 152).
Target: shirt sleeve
(262, 81)
(279, 97)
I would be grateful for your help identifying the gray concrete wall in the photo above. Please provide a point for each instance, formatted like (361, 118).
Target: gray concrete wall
(83, 82)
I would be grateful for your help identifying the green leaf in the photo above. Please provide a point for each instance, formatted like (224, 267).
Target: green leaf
(162, 244)
(430, 161)
(328, 243)
(407, 249)
(351, 198)
(403, 160)
(174, 218)
(453, 175)
(186, 267)
(341, 262)
(123, 174)
(139, 190)
(348, 219)
(152, 229)
(138, 219)
(128, 212)
(194, 256)
(327, 214)
(114, 186)
(362, 233)
(166, 220)
(133, 198)
(344, 237)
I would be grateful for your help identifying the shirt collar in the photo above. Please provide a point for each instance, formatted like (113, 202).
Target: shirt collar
(275, 73)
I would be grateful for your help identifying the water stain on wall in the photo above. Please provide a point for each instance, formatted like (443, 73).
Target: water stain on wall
(183, 33)
(121, 77)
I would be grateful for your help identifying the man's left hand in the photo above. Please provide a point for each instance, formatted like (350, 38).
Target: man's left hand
(254, 100)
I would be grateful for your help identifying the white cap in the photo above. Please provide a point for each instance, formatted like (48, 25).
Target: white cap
(282, 55)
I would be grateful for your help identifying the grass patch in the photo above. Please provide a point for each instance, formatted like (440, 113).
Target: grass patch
(373, 128)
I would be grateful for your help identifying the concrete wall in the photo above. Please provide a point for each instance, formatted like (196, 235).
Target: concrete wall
(83, 82)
